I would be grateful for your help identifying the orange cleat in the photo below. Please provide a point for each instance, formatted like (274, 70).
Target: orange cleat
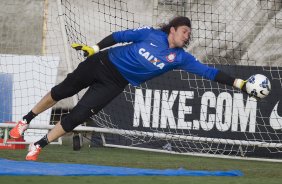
(34, 151)
(19, 129)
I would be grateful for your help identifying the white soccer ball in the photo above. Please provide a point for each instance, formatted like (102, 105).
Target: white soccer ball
(258, 85)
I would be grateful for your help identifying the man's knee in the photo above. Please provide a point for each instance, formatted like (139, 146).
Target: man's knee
(63, 90)
(78, 115)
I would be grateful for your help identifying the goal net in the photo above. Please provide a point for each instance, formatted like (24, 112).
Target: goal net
(176, 112)
(180, 112)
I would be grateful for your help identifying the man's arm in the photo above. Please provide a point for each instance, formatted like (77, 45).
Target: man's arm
(223, 78)
(192, 65)
(106, 42)
(90, 50)
(130, 35)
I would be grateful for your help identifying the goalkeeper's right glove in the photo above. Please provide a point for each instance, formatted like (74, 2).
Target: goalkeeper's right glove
(88, 51)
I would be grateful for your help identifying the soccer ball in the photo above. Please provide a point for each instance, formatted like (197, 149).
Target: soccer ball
(258, 85)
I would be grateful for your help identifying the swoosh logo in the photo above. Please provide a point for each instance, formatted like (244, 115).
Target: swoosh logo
(261, 92)
(153, 45)
(275, 120)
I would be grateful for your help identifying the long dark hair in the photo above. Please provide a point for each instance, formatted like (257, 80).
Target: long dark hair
(176, 22)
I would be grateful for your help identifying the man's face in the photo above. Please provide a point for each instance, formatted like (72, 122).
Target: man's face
(180, 36)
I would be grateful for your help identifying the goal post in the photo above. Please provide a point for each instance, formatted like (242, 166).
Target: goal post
(177, 112)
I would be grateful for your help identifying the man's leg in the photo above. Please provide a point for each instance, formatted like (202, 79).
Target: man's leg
(79, 79)
(45, 103)
(77, 115)
(35, 149)
(97, 96)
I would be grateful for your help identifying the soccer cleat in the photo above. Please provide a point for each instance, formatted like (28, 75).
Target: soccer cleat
(33, 153)
(19, 129)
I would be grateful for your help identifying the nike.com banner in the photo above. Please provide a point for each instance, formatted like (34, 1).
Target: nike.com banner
(183, 103)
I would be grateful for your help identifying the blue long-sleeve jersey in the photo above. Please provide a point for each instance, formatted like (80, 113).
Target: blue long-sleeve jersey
(149, 56)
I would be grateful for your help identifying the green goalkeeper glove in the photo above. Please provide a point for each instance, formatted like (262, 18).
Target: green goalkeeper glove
(87, 50)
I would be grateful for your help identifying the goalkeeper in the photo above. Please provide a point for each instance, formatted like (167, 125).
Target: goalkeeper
(150, 53)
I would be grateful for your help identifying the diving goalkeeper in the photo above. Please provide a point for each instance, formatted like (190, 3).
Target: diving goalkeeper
(150, 53)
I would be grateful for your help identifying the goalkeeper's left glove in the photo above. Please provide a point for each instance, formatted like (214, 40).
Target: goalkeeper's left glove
(240, 84)
(88, 51)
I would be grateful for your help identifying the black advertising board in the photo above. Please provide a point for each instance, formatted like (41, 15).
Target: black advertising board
(184, 104)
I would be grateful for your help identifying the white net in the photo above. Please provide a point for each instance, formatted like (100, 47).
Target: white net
(26, 72)
(196, 115)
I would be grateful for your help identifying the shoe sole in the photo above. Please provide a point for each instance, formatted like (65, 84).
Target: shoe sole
(15, 137)
(30, 159)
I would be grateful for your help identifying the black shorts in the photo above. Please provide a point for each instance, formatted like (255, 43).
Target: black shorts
(100, 75)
